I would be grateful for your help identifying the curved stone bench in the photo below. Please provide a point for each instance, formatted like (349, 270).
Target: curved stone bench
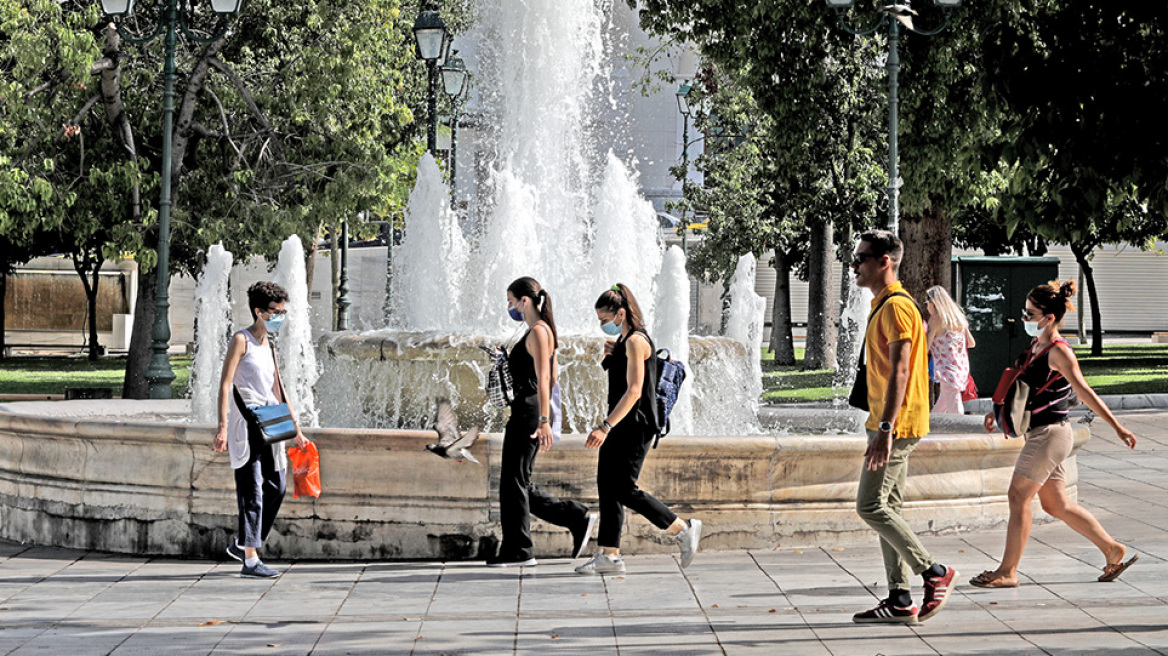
(155, 487)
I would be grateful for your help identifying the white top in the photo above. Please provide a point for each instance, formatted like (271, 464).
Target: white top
(255, 376)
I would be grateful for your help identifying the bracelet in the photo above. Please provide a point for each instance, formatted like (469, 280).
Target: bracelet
(607, 426)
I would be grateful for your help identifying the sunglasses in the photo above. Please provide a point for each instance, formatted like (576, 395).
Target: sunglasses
(859, 258)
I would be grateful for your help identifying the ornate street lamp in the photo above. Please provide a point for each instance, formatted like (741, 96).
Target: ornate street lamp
(432, 43)
(455, 82)
(174, 18)
(893, 16)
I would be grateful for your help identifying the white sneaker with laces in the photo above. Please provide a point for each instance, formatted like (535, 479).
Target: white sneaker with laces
(602, 564)
(688, 540)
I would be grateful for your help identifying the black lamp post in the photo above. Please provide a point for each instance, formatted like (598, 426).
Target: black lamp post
(683, 106)
(455, 82)
(892, 16)
(431, 37)
(174, 18)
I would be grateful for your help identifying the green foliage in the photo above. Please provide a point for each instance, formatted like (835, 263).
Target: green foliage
(306, 116)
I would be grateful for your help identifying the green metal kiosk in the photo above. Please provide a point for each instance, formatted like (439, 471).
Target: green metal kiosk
(992, 291)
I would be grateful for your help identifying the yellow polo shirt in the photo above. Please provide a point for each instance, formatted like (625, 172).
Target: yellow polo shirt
(898, 320)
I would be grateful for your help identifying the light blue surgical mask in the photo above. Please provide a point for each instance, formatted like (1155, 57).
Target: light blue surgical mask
(1032, 328)
(273, 325)
(610, 328)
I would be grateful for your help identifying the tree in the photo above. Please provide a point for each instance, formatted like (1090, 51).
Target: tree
(295, 119)
(815, 87)
(1088, 158)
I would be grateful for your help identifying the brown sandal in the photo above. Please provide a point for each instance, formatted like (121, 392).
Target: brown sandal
(1112, 571)
(988, 579)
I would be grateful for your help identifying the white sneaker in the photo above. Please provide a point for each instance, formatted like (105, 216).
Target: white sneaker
(688, 541)
(602, 564)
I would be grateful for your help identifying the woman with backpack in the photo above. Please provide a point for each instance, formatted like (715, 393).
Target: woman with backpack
(534, 371)
(949, 343)
(625, 434)
(1052, 372)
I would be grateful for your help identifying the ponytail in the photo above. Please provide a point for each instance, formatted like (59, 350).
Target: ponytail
(619, 297)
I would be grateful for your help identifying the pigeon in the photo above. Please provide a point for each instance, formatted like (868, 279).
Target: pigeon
(902, 13)
(452, 444)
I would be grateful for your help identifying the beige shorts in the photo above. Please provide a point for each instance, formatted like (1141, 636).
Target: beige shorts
(1043, 454)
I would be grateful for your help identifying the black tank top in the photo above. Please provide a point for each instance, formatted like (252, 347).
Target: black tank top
(1051, 405)
(524, 381)
(644, 412)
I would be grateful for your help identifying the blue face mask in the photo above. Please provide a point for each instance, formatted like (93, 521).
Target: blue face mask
(610, 328)
(1032, 328)
(515, 313)
(273, 325)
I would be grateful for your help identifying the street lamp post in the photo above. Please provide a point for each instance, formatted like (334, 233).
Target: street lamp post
(343, 301)
(893, 16)
(159, 374)
(455, 82)
(683, 106)
(432, 41)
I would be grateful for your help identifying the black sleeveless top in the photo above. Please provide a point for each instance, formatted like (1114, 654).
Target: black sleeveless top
(524, 381)
(644, 412)
(1050, 406)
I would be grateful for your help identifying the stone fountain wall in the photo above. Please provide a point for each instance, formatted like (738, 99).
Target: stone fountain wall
(156, 488)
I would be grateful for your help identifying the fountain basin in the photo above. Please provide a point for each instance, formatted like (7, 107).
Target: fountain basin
(120, 483)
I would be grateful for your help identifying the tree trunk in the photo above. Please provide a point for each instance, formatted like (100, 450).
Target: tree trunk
(310, 261)
(135, 385)
(3, 318)
(846, 334)
(1083, 257)
(821, 314)
(928, 252)
(782, 343)
(86, 265)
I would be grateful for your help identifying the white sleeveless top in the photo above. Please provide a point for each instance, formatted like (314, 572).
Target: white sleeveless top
(255, 376)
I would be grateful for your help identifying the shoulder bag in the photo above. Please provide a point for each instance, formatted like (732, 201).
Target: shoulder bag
(858, 398)
(275, 422)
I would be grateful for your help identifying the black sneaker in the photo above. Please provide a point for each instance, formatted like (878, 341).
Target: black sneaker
(511, 561)
(260, 571)
(236, 552)
(580, 538)
(886, 613)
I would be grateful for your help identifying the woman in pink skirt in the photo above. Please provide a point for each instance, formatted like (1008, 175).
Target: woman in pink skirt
(949, 340)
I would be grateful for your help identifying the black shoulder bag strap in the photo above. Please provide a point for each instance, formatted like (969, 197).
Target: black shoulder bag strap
(858, 397)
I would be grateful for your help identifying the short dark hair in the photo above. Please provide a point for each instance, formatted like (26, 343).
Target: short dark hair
(884, 242)
(262, 294)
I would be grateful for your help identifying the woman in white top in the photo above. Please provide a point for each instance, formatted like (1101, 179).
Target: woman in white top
(949, 341)
(250, 368)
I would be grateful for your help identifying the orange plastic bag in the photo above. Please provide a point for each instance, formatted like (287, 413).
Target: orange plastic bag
(305, 471)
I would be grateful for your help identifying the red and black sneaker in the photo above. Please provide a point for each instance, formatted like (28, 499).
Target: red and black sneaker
(886, 613)
(937, 589)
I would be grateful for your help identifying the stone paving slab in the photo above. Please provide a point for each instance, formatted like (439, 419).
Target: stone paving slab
(796, 601)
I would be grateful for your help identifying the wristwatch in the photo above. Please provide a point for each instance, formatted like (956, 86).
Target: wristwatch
(885, 427)
(543, 419)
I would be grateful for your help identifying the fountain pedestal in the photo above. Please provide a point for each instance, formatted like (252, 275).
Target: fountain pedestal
(156, 488)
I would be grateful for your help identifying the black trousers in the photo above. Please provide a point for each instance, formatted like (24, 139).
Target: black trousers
(259, 489)
(617, 469)
(518, 498)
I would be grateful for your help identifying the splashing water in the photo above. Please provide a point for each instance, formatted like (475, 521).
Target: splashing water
(213, 313)
(853, 321)
(297, 356)
(673, 332)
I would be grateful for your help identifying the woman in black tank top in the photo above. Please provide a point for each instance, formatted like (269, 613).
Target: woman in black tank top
(1050, 440)
(528, 432)
(625, 434)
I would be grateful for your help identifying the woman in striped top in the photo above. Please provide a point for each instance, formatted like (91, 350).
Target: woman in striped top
(1049, 440)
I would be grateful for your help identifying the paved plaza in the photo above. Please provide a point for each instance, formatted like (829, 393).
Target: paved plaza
(789, 600)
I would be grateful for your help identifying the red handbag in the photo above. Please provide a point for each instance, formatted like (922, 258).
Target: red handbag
(970, 391)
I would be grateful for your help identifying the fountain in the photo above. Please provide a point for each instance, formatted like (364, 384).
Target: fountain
(133, 477)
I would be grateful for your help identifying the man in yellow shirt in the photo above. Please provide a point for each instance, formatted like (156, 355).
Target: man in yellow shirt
(898, 417)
